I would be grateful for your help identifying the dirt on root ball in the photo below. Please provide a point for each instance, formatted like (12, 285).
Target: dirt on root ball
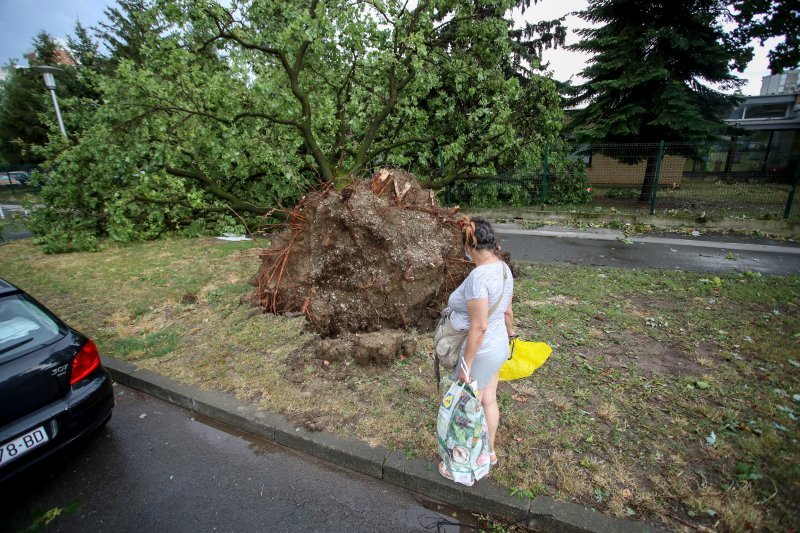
(379, 347)
(333, 350)
(379, 255)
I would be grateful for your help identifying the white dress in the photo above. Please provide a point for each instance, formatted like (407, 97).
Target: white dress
(485, 281)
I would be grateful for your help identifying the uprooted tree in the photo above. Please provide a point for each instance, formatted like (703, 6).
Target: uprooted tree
(380, 254)
(247, 107)
(364, 263)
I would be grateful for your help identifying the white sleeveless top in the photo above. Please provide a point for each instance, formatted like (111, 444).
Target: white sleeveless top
(485, 281)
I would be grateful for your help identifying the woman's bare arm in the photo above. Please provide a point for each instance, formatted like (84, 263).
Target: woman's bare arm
(478, 310)
(508, 317)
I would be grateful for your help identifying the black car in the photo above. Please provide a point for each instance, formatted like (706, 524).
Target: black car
(20, 176)
(53, 388)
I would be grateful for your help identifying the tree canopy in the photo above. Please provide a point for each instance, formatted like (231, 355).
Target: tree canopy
(244, 107)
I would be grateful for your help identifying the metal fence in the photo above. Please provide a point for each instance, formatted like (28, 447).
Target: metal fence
(720, 179)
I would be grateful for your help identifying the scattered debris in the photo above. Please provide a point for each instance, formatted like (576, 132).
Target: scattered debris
(788, 411)
(659, 322)
(233, 237)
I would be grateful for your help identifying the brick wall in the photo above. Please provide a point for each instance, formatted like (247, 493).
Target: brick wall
(605, 170)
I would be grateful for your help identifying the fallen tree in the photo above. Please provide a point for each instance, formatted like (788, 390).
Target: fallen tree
(380, 254)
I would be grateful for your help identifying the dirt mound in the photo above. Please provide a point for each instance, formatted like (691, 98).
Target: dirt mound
(379, 347)
(380, 254)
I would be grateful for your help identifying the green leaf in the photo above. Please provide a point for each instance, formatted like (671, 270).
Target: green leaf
(747, 472)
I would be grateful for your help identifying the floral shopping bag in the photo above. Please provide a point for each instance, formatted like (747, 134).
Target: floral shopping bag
(462, 434)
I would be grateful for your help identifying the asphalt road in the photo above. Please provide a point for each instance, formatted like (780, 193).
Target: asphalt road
(693, 255)
(157, 467)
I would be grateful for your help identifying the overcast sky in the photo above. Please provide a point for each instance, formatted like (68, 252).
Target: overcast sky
(21, 20)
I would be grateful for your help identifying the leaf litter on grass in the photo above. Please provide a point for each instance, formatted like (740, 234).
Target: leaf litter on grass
(615, 411)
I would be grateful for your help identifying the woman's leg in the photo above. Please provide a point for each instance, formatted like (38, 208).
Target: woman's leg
(491, 411)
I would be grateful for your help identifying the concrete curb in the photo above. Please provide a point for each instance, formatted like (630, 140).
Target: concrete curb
(485, 497)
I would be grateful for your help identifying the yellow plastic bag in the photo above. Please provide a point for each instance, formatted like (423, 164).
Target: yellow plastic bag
(525, 357)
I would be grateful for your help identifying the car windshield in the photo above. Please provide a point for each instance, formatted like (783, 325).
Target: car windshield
(24, 326)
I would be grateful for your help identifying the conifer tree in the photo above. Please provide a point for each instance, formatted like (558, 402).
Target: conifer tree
(24, 100)
(653, 72)
(764, 19)
(130, 25)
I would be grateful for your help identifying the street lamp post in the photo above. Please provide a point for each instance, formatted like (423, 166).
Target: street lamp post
(50, 82)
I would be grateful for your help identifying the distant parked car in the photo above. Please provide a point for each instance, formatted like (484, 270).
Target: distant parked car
(20, 176)
(53, 388)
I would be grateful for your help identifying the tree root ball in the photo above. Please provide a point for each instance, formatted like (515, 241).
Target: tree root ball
(379, 255)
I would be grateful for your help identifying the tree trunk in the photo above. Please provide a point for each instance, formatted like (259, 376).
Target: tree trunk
(649, 175)
(730, 156)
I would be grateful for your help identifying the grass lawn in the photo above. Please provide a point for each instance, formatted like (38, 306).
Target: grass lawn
(669, 396)
(696, 198)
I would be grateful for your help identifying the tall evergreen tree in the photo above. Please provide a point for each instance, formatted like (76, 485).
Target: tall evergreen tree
(24, 101)
(130, 25)
(85, 49)
(651, 74)
(764, 19)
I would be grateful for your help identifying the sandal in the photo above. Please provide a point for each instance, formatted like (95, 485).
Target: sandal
(492, 458)
(444, 471)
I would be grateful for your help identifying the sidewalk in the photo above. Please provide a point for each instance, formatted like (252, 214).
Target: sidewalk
(707, 253)
(485, 497)
(708, 240)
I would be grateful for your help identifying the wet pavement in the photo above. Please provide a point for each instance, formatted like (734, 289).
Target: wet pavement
(157, 467)
(671, 253)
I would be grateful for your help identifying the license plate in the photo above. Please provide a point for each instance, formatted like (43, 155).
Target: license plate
(21, 445)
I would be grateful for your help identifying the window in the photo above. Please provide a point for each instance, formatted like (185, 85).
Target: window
(23, 326)
(762, 111)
